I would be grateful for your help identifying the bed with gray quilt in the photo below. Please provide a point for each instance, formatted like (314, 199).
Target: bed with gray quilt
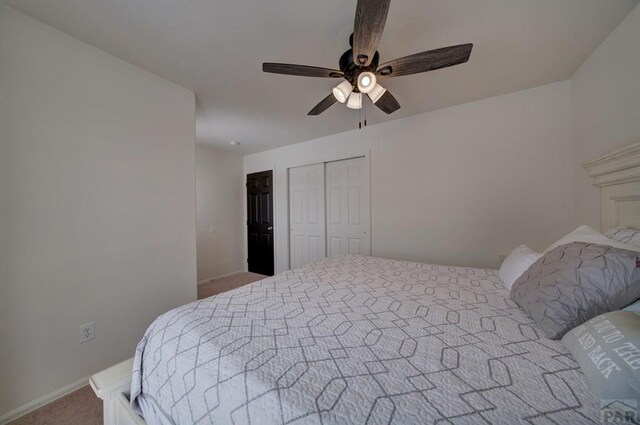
(358, 340)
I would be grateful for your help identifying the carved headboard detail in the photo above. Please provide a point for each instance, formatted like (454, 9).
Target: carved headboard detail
(617, 174)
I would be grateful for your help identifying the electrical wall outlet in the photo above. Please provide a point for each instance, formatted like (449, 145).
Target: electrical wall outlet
(87, 332)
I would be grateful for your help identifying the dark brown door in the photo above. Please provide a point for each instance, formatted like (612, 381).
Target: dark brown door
(260, 222)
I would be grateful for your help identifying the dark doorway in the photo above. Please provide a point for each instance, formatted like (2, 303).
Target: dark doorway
(260, 222)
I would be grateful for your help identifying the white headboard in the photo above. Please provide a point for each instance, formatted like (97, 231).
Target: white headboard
(617, 174)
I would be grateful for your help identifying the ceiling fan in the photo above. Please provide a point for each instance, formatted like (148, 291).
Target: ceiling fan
(359, 66)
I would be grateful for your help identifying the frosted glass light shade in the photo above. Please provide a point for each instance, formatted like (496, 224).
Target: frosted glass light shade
(366, 81)
(342, 91)
(376, 93)
(355, 101)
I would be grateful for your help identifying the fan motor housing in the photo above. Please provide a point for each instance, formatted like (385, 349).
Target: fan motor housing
(351, 70)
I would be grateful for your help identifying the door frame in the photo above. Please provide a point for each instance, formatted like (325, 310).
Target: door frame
(280, 165)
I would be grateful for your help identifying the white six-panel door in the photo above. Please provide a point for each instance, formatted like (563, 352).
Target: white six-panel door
(329, 210)
(348, 204)
(306, 214)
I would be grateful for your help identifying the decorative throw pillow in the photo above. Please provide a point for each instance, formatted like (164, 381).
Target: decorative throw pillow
(623, 234)
(607, 348)
(587, 234)
(516, 263)
(576, 282)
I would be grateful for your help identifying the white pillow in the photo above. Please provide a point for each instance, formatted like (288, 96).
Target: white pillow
(587, 234)
(635, 307)
(516, 263)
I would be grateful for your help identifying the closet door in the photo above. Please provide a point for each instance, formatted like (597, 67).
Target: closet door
(306, 214)
(348, 204)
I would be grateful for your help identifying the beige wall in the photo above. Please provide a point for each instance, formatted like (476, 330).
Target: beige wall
(97, 206)
(606, 108)
(220, 200)
(461, 185)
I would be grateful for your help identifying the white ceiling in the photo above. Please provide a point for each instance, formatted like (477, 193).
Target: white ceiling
(216, 48)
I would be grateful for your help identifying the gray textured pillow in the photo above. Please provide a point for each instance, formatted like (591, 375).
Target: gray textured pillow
(576, 282)
(607, 348)
(623, 234)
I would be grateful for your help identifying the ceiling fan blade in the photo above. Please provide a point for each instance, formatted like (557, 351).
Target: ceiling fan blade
(426, 61)
(301, 70)
(387, 103)
(324, 104)
(371, 15)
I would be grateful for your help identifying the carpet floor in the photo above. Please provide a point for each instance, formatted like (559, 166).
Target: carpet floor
(82, 407)
(227, 283)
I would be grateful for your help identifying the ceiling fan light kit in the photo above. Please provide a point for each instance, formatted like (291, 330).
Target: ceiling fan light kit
(342, 91)
(376, 93)
(359, 65)
(355, 101)
(366, 81)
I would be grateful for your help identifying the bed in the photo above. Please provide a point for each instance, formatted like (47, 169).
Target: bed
(358, 340)
(363, 340)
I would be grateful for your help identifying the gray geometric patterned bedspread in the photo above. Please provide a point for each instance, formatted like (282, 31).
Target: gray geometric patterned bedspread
(360, 340)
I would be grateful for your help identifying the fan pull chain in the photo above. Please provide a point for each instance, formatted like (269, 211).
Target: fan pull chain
(362, 111)
(364, 105)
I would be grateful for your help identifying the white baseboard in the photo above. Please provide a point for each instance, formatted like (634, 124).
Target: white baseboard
(202, 282)
(46, 399)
